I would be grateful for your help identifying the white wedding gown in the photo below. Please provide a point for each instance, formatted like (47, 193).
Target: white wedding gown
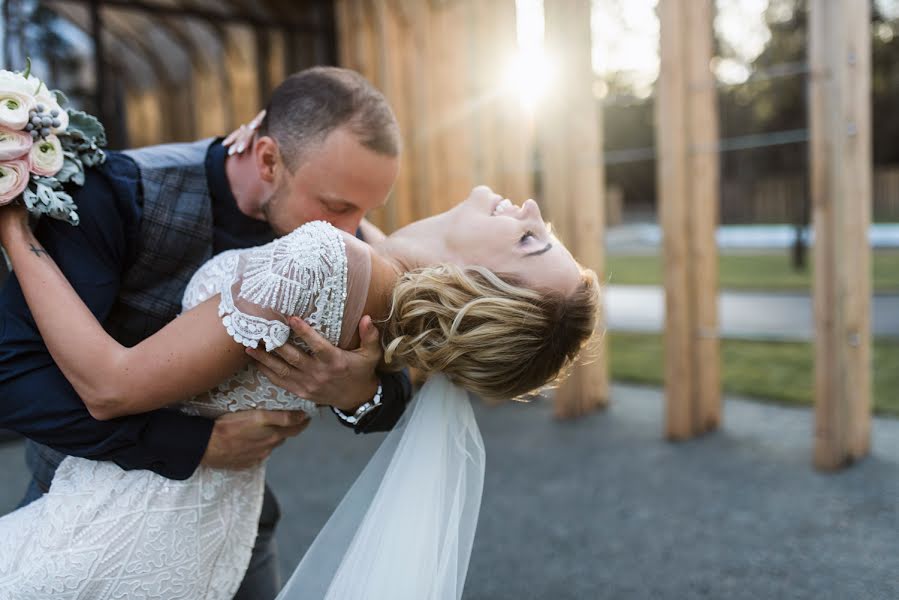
(103, 533)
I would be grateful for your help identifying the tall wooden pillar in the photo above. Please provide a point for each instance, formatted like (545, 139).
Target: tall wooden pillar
(840, 115)
(573, 174)
(687, 135)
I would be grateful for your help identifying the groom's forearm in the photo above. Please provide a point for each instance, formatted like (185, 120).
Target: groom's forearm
(43, 406)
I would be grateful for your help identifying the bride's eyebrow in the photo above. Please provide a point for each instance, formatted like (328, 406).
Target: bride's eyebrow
(541, 251)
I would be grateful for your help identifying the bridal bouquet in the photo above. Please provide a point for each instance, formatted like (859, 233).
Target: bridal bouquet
(43, 146)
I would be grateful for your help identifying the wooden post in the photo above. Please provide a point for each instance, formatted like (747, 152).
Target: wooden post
(504, 129)
(840, 115)
(687, 133)
(573, 175)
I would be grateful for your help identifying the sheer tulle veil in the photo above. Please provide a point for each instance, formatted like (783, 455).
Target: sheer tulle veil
(405, 529)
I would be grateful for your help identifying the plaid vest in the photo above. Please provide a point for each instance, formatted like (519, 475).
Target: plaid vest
(175, 239)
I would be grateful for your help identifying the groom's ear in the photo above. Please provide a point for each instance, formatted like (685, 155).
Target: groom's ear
(268, 158)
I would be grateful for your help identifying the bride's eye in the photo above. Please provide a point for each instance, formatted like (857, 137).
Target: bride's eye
(527, 235)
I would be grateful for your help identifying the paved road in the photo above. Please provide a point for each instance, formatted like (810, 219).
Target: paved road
(603, 508)
(741, 314)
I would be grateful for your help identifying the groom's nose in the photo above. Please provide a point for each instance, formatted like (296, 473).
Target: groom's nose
(348, 223)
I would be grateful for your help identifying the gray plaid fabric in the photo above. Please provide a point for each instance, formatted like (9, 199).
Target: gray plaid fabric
(175, 239)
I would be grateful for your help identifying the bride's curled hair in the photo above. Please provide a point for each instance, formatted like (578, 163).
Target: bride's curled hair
(486, 332)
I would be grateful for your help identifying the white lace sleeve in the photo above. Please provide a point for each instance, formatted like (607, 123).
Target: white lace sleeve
(302, 274)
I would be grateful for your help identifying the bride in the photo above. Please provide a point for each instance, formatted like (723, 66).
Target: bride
(482, 297)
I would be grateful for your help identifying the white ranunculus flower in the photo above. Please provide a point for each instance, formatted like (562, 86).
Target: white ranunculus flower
(46, 156)
(16, 82)
(14, 144)
(16, 100)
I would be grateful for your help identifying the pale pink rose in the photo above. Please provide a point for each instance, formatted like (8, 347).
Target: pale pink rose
(14, 179)
(46, 156)
(14, 144)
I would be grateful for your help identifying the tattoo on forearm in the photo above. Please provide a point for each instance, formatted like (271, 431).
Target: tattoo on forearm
(38, 250)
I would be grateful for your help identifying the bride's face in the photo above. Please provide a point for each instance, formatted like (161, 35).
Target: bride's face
(486, 230)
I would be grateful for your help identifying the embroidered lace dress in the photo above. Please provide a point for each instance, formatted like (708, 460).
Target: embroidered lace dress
(103, 533)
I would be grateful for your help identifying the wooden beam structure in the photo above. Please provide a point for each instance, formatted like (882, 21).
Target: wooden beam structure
(573, 176)
(233, 16)
(236, 53)
(444, 68)
(841, 172)
(688, 197)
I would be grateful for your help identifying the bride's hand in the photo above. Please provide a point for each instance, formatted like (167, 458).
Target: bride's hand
(239, 139)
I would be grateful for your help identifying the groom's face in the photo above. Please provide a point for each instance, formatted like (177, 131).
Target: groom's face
(338, 180)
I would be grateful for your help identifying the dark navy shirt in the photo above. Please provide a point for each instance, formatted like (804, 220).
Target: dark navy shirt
(35, 398)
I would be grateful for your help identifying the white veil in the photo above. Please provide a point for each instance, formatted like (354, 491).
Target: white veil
(405, 529)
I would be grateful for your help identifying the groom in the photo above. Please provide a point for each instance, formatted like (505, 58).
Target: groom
(327, 149)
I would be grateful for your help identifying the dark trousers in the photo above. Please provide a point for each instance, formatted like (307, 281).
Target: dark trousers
(262, 580)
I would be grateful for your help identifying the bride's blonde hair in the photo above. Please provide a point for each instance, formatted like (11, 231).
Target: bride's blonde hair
(487, 332)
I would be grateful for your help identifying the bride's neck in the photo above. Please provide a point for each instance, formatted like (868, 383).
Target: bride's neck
(390, 259)
(384, 275)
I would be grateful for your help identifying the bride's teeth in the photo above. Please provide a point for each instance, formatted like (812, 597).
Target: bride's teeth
(502, 206)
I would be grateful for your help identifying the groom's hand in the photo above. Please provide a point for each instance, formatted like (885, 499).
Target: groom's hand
(329, 376)
(245, 438)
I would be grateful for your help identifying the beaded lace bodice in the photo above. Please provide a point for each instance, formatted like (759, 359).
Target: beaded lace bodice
(301, 274)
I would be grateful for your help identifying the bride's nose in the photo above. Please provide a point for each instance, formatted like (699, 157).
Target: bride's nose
(530, 210)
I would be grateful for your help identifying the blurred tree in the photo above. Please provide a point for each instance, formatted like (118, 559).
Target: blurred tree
(628, 124)
(885, 87)
(772, 100)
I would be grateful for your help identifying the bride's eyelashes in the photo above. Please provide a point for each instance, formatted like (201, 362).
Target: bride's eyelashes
(527, 235)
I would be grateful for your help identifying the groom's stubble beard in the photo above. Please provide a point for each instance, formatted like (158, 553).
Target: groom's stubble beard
(271, 209)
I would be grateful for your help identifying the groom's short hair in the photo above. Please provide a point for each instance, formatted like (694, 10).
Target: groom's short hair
(309, 105)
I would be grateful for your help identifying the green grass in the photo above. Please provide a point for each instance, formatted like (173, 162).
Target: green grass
(775, 371)
(763, 271)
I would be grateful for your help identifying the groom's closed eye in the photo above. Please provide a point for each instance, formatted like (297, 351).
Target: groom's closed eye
(337, 207)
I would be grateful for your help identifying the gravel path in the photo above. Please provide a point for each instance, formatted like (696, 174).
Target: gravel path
(602, 507)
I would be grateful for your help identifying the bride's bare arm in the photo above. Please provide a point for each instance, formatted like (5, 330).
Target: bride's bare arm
(188, 356)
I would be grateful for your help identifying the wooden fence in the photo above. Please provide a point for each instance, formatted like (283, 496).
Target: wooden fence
(783, 199)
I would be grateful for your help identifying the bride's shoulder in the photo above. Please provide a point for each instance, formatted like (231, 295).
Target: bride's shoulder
(315, 235)
(323, 240)
(324, 233)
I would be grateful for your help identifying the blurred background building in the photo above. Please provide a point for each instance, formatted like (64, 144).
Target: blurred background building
(164, 71)
(173, 70)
